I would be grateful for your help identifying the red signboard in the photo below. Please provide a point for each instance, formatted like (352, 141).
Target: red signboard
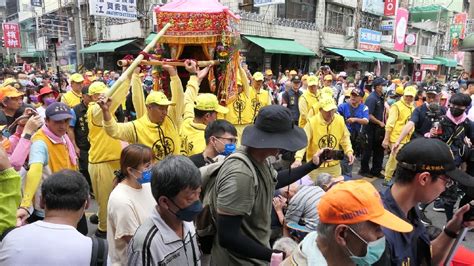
(390, 7)
(417, 75)
(369, 47)
(11, 35)
(429, 67)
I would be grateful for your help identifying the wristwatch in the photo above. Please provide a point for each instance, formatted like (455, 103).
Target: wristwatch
(450, 233)
(26, 136)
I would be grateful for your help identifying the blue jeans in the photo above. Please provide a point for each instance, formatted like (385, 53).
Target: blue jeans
(345, 167)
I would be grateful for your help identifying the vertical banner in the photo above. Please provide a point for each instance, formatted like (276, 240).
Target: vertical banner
(401, 22)
(11, 35)
(390, 7)
(457, 30)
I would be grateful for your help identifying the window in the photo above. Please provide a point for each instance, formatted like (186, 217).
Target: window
(338, 18)
(247, 6)
(303, 10)
(370, 21)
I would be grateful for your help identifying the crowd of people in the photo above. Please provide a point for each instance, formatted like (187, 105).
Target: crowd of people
(265, 178)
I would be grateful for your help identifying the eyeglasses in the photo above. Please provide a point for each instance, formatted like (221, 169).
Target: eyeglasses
(231, 140)
(449, 181)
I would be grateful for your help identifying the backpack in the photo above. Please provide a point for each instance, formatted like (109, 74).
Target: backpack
(99, 250)
(205, 221)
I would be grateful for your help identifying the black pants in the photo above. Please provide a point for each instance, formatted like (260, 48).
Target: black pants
(81, 226)
(83, 166)
(373, 150)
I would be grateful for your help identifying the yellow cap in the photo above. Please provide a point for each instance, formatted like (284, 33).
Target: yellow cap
(209, 102)
(304, 77)
(8, 81)
(327, 103)
(258, 76)
(328, 77)
(97, 87)
(327, 91)
(410, 91)
(141, 75)
(89, 73)
(347, 92)
(268, 72)
(76, 77)
(158, 97)
(293, 72)
(399, 90)
(154, 71)
(313, 80)
(396, 81)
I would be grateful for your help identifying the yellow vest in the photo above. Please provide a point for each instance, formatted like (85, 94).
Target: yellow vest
(71, 99)
(163, 139)
(58, 154)
(103, 147)
(259, 100)
(192, 137)
(240, 111)
(404, 112)
(310, 99)
(322, 135)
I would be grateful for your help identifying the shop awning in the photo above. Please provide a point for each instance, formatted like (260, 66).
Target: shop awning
(351, 55)
(400, 55)
(105, 47)
(467, 44)
(378, 56)
(430, 61)
(150, 37)
(32, 54)
(280, 46)
(447, 61)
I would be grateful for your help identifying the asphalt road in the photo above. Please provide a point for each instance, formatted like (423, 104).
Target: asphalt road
(438, 218)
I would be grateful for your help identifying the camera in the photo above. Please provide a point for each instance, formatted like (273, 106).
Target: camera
(434, 112)
(332, 155)
(469, 216)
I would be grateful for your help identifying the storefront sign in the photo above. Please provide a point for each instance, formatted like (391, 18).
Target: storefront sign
(390, 7)
(401, 22)
(410, 39)
(417, 74)
(429, 67)
(375, 7)
(37, 3)
(387, 38)
(11, 35)
(457, 30)
(113, 8)
(387, 24)
(369, 39)
(259, 3)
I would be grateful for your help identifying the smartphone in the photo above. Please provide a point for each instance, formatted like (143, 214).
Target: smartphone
(332, 155)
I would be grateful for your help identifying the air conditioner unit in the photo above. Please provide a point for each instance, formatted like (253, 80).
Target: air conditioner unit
(350, 31)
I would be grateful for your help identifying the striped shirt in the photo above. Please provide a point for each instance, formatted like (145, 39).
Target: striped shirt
(155, 243)
(303, 205)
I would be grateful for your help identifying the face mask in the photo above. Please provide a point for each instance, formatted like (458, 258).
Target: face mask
(23, 82)
(375, 250)
(146, 177)
(229, 148)
(33, 98)
(39, 80)
(391, 101)
(49, 101)
(189, 213)
(384, 89)
(456, 111)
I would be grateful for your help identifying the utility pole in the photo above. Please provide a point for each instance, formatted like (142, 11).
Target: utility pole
(78, 34)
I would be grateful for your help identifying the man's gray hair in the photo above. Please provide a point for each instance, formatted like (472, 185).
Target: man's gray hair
(286, 245)
(323, 180)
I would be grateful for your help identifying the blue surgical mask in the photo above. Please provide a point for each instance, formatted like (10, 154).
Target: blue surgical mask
(229, 148)
(189, 213)
(375, 249)
(23, 82)
(146, 177)
(391, 101)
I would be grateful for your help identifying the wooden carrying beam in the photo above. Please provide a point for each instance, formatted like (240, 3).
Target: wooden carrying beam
(124, 63)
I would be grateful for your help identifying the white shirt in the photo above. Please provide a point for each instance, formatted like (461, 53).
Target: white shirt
(43, 243)
(127, 209)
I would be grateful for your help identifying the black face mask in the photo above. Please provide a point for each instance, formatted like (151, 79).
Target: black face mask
(456, 111)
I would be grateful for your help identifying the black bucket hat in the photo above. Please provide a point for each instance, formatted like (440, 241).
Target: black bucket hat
(273, 128)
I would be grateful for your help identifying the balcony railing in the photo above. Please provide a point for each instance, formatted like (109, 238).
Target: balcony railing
(250, 16)
(335, 30)
(427, 50)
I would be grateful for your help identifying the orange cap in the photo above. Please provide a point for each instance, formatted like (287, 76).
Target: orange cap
(9, 91)
(358, 201)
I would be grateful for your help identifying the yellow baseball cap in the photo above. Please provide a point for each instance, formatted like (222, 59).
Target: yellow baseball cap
(399, 90)
(97, 87)
(328, 77)
(158, 97)
(313, 80)
(268, 72)
(293, 72)
(209, 102)
(304, 77)
(141, 75)
(258, 76)
(396, 81)
(76, 77)
(327, 103)
(8, 81)
(10, 92)
(410, 91)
